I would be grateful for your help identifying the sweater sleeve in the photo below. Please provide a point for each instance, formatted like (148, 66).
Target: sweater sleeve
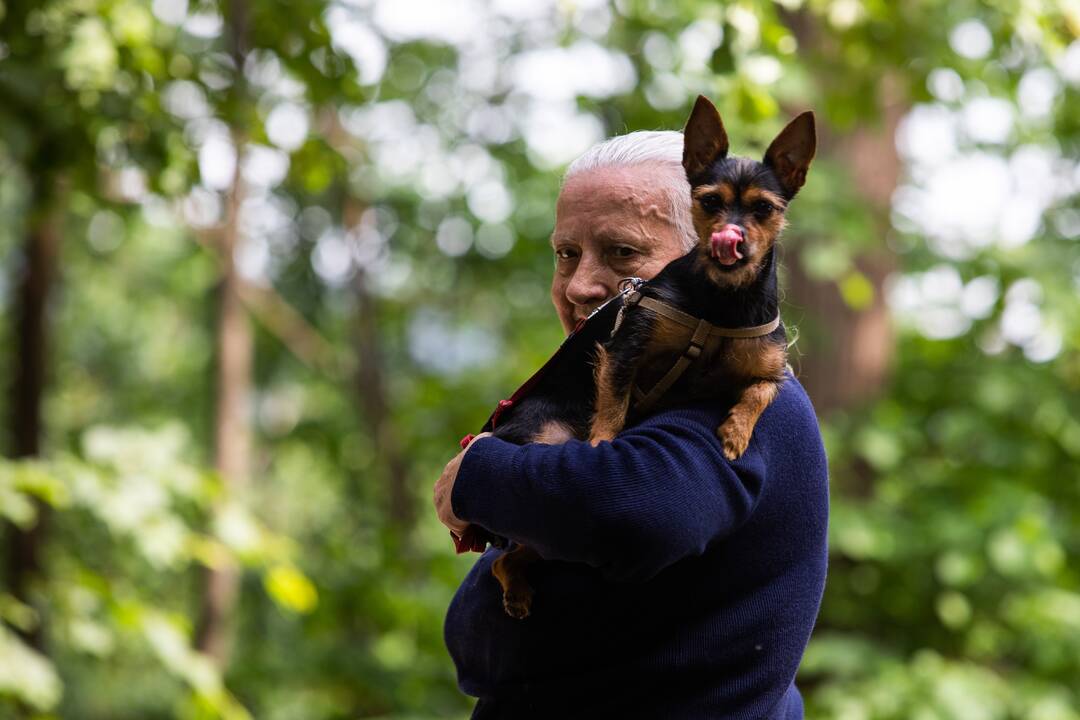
(659, 492)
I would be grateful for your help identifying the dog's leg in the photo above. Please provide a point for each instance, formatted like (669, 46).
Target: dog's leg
(735, 431)
(509, 570)
(615, 372)
(612, 402)
(617, 366)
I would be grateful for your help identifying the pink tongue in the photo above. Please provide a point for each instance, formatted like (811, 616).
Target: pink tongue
(724, 245)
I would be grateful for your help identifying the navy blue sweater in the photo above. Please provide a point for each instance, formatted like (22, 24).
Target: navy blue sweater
(676, 584)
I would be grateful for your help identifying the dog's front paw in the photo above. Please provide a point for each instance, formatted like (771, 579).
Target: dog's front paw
(518, 602)
(734, 434)
(597, 437)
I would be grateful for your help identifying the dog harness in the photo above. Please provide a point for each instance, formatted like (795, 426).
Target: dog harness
(703, 332)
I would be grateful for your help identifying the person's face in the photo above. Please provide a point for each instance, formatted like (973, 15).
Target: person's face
(610, 223)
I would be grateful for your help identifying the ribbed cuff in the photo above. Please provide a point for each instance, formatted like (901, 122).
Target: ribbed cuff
(489, 463)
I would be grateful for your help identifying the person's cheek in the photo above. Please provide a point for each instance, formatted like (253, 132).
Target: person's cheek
(635, 264)
(649, 267)
(608, 276)
(563, 309)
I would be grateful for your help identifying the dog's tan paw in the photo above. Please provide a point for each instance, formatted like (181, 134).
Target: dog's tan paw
(734, 436)
(601, 434)
(518, 603)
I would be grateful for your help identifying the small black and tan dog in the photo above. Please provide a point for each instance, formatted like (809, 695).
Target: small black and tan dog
(707, 327)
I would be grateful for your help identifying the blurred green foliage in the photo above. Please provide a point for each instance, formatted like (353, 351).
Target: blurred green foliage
(401, 163)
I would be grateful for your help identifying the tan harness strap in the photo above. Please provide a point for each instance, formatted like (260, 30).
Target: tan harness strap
(671, 313)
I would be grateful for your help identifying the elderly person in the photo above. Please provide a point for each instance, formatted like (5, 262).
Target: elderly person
(675, 584)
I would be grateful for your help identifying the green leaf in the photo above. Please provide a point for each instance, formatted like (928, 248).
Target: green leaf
(857, 290)
(291, 589)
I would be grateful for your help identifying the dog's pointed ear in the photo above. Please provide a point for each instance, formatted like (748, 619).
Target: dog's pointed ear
(790, 154)
(704, 139)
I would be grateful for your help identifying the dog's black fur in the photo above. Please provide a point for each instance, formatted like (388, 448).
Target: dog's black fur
(565, 390)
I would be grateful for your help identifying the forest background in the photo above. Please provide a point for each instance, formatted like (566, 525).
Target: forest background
(265, 261)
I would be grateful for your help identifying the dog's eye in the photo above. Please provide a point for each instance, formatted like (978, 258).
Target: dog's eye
(763, 208)
(711, 203)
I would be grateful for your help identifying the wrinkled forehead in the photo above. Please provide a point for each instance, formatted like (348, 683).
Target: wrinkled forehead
(634, 191)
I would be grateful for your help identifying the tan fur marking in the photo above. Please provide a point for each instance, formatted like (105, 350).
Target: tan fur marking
(724, 190)
(703, 225)
(736, 430)
(553, 433)
(610, 412)
(753, 194)
(756, 359)
(509, 570)
(668, 336)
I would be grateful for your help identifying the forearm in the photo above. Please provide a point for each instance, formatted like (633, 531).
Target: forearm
(658, 493)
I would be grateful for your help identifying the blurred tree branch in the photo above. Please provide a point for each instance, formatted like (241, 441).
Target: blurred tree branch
(233, 363)
(36, 276)
(373, 396)
(850, 347)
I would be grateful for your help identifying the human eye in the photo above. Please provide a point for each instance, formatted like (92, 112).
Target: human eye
(624, 252)
(565, 252)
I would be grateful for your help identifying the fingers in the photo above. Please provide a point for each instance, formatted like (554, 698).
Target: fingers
(444, 489)
(481, 435)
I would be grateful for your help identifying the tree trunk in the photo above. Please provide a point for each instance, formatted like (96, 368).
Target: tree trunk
(232, 431)
(33, 285)
(847, 361)
(373, 396)
(235, 350)
(845, 352)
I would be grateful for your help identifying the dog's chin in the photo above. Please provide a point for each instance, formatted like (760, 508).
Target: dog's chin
(734, 275)
(742, 262)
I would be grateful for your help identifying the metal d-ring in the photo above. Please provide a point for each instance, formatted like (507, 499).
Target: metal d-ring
(629, 295)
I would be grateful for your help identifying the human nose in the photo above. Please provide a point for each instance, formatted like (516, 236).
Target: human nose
(588, 286)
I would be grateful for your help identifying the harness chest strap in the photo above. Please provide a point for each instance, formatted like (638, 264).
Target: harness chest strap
(703, 331)
(686, 320)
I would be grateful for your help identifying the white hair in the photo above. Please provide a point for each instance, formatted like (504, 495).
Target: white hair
(646, 147)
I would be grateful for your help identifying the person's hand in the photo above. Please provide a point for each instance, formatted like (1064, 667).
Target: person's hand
(444, 488)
